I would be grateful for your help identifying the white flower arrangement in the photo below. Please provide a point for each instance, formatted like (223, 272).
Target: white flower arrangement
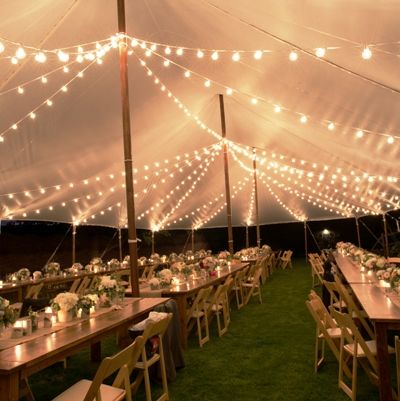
(65, 301)
(154, 283)
(52, 268)
(165, 277)
(223, 255)
(109, 288)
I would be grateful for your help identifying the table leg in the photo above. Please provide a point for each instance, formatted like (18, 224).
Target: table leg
(9, 387)
(181, 302)
(385, 387)
(95, 352)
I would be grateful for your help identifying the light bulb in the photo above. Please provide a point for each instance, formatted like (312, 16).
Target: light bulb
(366, 53)
(32, 115)
(258, 54)
(40, 57)
(20, 90)
(254, 100)
(14, 126)
(320, 52)
(167, 50)
(207, 83)
(359, 134)
(293, 56)
(79, 58)
(187, 74)
(229, 91)
(215, 56)
(179, 51)
(236, 56)
(14, 60)
(331, 126)
(49, 102)
(64, 88)
(66, 69)
(200, 54)
(44, 80)
(20, 53)
(2, 47)
(134, 42)
(277, 109)
(303, 119)
(166, 63)
(148, 53)
(62, 56)
(390, 140)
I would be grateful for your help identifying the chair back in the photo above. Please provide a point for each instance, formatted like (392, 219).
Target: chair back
(156, 328)
(75, 285)
(33, 291)
(83, 285)
(123, 363)
(199, 303)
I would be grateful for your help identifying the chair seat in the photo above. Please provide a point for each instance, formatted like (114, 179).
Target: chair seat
(78, 391)
(371, 344)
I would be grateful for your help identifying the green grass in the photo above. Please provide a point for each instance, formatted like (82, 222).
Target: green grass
(267, 354)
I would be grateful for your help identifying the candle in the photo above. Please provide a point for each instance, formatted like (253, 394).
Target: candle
(48, 310)
(79, 313)
(1, 283)
(53, 319)
(92, 309)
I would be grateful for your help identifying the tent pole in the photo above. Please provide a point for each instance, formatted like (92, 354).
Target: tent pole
(192, 239)
(247, 236)
(73, 243)
(226, 170)
(305, 239)
(256, 196)
(386, 244)
(126, 123)
(152, 242)
(120, 243)
(358, 232)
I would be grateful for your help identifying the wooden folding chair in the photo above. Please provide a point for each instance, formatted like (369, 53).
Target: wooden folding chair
(286, 260)
(153, 329)
(85, 283)
(237, 286)
(120, 389)
(197, 313)
(327, 331)
(75, 285)
(252, 287)
(361, 351)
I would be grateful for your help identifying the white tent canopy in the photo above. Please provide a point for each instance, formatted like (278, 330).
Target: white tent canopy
(62, 152)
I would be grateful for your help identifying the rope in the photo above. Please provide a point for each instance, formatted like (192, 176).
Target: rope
(58, 246)
(312, 235)
(108, 244)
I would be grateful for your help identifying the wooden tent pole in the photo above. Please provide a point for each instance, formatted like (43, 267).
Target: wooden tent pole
(73, 243)
(126, 124)
(152, 242)
(226, 170)
(386, 243)
(358, 232)
(256, 196)
(247, 236)
(305, 240)
(192, 239)
(120, 243)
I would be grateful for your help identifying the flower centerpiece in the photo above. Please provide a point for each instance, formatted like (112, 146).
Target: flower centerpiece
(65, 304)
(154, 283)
(209, 263)
(52, 269)
(224, 255)
(7, 314)
(23, 274)
(165, 276)
(86, 302)
(108, 290)
(182, 268)
(395, 278)
(113, 264)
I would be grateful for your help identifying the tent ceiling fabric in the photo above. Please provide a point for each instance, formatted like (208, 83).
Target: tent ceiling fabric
(67, 162)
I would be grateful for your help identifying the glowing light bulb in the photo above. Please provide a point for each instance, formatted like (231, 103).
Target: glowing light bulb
(215, 56)
(32, 115)
(331, 126)
(64, 88)
(200, 54)
(366, 53)
(153, 47)
(258, 54)
(148, 53)
(179, 51)
(80, 74)
(167, 50)
(166, 63)
(62, 56)
(229, 91)
(236, 56)
(320, 52)
(187, 74)
(390, 140)
(14, 127)
(14, 60)
(359, 134)
(44, 80)
(293, 56)
(134, 42)
(20, 53)
(40, 57)
(21, 90)
(277, 109)
(79, 58)
(207, 83)
(303, 119)
(254, 101)
(66, 69)
(49, 102)
(2, 47)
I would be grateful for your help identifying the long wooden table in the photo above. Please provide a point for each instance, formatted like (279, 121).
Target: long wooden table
(20, 361)
(380, 308)
(181, 293)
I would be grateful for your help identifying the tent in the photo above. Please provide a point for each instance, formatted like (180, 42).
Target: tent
(310, 90)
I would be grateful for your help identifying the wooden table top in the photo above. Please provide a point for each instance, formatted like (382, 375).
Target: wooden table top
(59, 344)
(351, 271)
(192, 286)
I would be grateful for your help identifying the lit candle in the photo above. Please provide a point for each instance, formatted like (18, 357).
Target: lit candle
(1, 283)
(79, 313)
(53, 319)
(92, 309)
(48, 309)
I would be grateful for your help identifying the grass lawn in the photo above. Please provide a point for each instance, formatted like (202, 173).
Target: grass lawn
(267, 354)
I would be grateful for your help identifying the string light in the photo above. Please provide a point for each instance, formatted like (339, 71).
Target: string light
(366, 53)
